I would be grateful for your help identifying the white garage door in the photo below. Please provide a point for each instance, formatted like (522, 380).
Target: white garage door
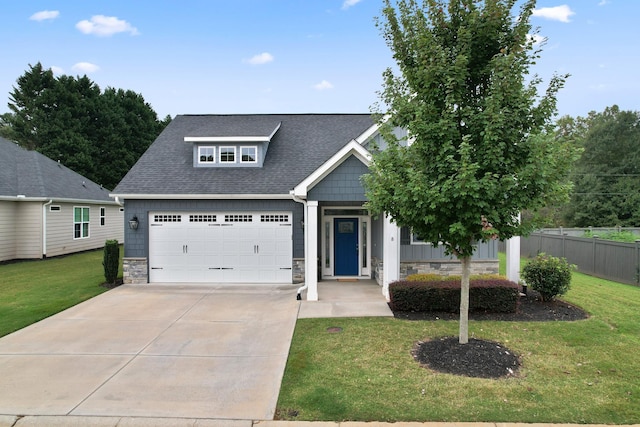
(220, 247)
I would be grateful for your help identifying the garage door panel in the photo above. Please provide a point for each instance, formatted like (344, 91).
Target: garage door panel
(220, 247)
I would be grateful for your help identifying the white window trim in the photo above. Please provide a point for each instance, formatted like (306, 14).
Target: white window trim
(103, 216)
(55, 208)
(207, 162)
(255, 154)
(235, 154)
(81, 223)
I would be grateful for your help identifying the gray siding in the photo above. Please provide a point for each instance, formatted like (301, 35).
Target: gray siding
(342, 184)
(137, 241)
(8, 215)
(60, 232)
(29, 230)
(422, 251)
(377, 237)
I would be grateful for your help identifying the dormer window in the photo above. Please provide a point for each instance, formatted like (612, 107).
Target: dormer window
(206, 154)
(248, 154)
(226, 148)
(227, 154)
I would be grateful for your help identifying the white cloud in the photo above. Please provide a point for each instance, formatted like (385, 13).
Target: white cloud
(44, 15)
(604, 2)
(57, 70)
(323, 85)
(85, 67)
(556, 13)
(262, 58)
(348, 3)
(104, 26)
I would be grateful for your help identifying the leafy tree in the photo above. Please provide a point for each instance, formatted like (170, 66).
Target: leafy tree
(480, 141)
(607, 176)
(98, 134)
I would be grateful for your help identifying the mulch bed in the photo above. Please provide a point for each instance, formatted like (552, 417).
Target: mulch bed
(480, 358)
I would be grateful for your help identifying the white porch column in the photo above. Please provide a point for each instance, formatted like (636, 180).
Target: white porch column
(513, 258)
(311, 251)
(390, 255)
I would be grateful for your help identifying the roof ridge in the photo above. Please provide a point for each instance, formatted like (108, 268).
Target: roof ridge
(272, 114)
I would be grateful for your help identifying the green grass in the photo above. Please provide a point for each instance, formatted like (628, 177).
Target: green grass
(33, 290)
(573, 372)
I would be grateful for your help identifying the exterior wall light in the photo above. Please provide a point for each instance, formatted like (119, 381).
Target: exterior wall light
(133, 223)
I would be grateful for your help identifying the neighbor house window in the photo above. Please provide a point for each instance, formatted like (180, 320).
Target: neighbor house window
(248, 154)
(80, 222)
(227, 154)
(103, 215)
(206, 155)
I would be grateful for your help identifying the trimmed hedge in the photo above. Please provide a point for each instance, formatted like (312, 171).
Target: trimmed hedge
(485, 295)
(111, 260)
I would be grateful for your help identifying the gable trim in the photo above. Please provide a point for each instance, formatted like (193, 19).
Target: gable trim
(353, 148)
(367, 134)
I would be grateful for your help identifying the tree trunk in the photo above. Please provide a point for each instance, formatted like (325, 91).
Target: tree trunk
(464, 300)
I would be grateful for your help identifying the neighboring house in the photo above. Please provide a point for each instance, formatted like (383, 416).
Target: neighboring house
(46, 209)
(269, 198)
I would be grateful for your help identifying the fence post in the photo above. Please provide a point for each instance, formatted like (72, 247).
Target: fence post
(638, 262)
(593, 265)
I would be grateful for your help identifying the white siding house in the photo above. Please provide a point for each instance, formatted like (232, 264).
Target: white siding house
(39, 205)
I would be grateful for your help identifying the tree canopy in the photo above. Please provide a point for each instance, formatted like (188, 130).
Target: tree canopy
(607, 176)
(480, 139)
(98, 134)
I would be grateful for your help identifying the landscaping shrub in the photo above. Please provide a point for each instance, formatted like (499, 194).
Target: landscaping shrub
(111, 260)
(548, 275)
(485, 294)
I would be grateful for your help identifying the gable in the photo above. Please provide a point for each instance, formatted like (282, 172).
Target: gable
(342, 184)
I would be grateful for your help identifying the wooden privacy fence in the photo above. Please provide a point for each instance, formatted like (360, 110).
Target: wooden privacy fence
(602, 258)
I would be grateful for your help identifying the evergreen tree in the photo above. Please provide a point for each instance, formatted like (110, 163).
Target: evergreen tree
(607, 176)
(98, 134)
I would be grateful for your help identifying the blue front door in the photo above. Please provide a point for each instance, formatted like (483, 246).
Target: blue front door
(345, 250)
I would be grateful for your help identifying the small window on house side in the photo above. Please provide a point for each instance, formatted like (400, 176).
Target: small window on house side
(248, 155)
(80, 222)
(103, 215)
(227, 154)
(54, 208)
(206, 155)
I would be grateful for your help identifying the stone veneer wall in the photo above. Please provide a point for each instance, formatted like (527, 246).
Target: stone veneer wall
(441, 267)
(134, 271)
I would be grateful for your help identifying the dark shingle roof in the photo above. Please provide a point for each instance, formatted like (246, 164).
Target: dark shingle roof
(29, 173)
(301, 145)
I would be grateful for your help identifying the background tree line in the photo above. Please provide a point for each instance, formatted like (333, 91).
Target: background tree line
(606, 177)
(98, 134)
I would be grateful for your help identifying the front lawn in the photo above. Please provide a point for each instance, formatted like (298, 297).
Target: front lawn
(572, 372)
(33, 290)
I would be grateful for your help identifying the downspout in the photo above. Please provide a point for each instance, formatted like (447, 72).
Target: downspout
(44, 228)
(306, 242)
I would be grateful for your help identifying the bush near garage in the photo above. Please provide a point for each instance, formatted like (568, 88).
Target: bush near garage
(486, 294)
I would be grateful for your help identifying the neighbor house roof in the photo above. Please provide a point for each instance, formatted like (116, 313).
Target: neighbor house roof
(301, 144)
(33, 175)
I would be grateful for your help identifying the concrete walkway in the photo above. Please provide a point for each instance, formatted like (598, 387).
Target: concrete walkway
(153, 351)
(346, 299)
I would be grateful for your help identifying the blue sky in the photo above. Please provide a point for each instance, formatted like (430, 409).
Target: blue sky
(288, 56)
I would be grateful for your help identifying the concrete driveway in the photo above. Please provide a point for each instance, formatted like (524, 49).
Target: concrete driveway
(179, 351)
